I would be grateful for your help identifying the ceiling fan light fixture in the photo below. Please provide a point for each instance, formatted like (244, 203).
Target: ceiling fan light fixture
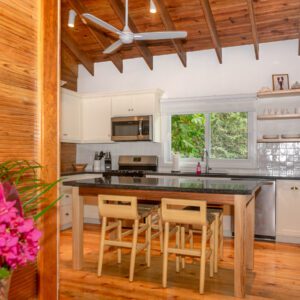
(72, 16)
(153, 9)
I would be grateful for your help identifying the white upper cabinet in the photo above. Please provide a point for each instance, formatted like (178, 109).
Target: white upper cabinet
(85, 119)
(70, 118)
(96, 119)
(122, 106)
(288, 211)
(136, 104)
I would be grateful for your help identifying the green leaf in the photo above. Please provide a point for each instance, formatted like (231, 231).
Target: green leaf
(4, 273)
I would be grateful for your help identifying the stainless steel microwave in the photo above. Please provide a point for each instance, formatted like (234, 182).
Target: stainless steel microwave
(132, 128)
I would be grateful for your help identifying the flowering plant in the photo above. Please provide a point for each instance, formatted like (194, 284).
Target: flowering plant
(18, 235)
(21, 194)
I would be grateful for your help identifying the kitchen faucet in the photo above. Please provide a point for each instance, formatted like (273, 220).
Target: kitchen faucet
(206, 154)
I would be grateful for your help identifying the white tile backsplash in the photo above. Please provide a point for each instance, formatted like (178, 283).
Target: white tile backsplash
(86, 152)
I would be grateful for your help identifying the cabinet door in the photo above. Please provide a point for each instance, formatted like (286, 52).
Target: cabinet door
(65, 217)
(70, 118)
(288, 209)
(96, 119)
(143, 104)
(122, 106)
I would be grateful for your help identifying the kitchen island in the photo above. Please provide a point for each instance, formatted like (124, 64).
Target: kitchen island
(239, 194)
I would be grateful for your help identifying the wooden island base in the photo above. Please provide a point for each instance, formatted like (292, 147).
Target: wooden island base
(244, 209)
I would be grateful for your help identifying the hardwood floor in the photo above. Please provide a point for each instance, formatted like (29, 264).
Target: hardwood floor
(276, 274)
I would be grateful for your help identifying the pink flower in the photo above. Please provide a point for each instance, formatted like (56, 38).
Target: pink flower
(18, 236)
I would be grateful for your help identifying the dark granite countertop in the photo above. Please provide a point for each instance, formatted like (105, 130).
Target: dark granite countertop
(180, 184)
(203, 175)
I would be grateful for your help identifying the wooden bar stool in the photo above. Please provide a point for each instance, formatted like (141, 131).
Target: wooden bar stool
(124, 208)
(217, 213)
(194, 213)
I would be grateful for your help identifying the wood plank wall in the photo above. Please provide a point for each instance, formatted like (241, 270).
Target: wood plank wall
(19, 131)
(22, 98)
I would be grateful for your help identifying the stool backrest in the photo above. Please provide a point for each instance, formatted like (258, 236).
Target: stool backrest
(119, 207)
(183, 211)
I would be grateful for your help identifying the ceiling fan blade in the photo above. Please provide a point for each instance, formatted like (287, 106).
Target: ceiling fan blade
(113, 47)
(160, 35)
(101, 23)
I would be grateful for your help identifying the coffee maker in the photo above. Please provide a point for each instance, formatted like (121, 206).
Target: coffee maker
(107, 161)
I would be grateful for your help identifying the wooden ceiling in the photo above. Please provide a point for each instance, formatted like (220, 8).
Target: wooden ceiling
(211, 24)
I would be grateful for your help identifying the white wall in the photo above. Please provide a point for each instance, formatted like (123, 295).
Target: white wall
(239, 73)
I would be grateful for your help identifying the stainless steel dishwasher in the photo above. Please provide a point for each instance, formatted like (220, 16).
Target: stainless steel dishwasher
(265, 210)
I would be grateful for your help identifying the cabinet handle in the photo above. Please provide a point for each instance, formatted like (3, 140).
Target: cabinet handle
(296, 188)
(65, 134)
(67, 214)
(292, 188)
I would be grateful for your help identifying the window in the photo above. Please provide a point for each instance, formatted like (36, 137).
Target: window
(225, 134)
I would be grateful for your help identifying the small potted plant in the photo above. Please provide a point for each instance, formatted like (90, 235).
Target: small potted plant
(21, 194)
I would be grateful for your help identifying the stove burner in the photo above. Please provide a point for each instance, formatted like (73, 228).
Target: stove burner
(127, 173)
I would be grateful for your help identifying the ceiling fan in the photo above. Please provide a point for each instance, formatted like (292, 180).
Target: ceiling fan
(126, 36)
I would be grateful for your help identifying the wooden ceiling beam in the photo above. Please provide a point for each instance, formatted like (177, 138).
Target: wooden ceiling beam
(212, 28)
(80, 55)
(101, 39)
(119, 10)
(253, 27)
(166, 18)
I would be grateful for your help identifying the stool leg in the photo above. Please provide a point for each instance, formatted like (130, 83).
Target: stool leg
(216, 246)
(203, 259)
(177, 246)
(101, 248)
(221, 236)
(160, 228)
(212, 244)
(119, 236)
(148, 240)
(133, 249)
(165, 255)
(182, 233)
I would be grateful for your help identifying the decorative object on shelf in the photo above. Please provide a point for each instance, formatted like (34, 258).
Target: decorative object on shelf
(265, 89)
(21, 194)
(290, 136)
(79, 167)
(270, 136)
(280, 82)
(296, 85)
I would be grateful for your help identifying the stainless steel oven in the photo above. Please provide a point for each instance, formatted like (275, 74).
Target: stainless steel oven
(132, 128)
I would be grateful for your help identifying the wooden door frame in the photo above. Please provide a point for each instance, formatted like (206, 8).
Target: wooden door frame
(48, 98)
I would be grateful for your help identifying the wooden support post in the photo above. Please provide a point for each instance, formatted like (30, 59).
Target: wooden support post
(250, 233)
(239, 245)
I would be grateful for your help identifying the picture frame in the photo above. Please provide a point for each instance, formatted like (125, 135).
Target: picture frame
(280, 82)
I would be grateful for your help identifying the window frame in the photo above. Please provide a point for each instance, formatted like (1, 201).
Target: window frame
(249, 163)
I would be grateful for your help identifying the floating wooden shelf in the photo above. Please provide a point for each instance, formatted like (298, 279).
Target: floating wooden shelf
(278, 140)
(278, 117)
(285, 93)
